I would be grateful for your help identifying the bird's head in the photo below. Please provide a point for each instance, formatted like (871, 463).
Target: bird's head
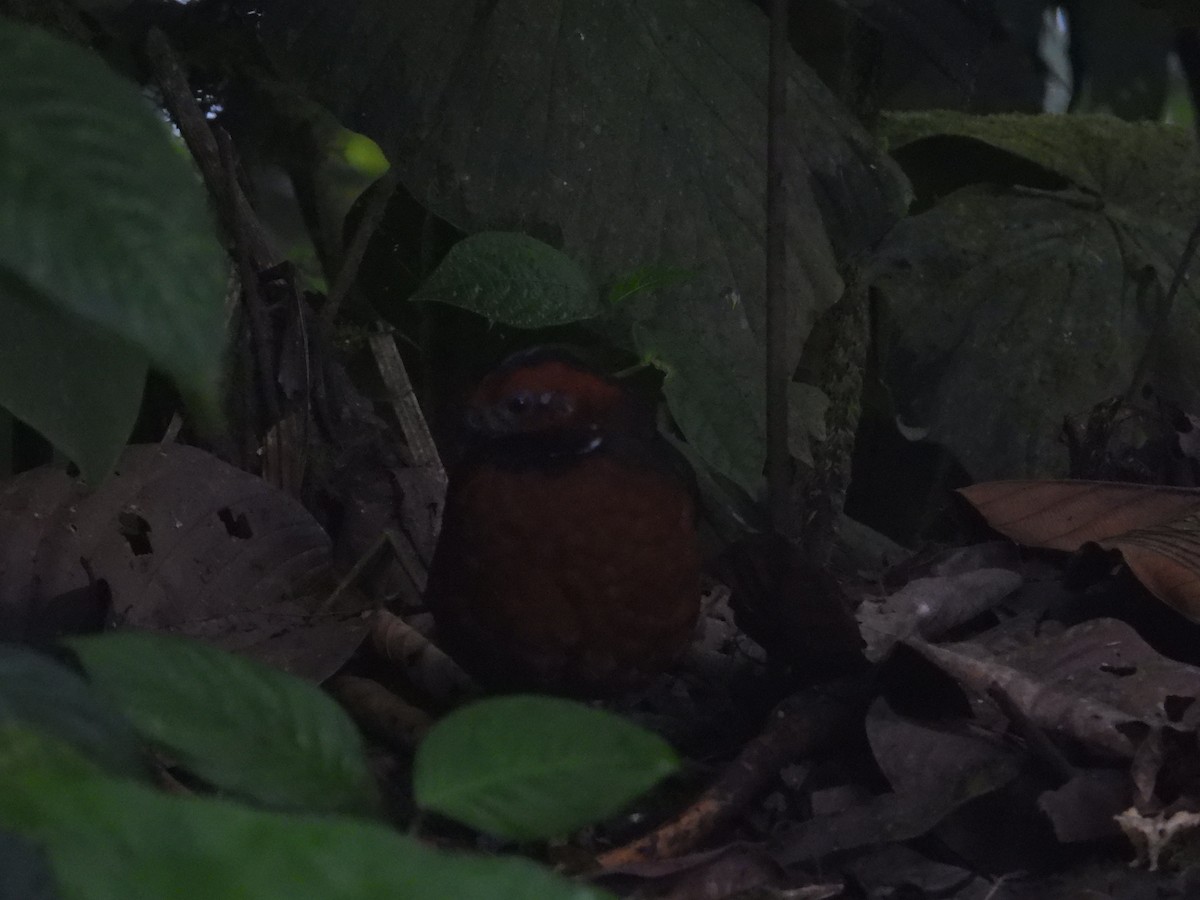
(546, 392)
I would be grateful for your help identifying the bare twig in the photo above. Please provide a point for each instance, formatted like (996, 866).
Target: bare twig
(260, 326)
(376, 205)
(404, 553)
(232, 204)
(808, 722)
(404, 402)
(215, 158)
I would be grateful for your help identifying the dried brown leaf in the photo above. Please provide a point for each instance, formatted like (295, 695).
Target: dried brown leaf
(1097, 683)
(185, 544)
(1156, 529)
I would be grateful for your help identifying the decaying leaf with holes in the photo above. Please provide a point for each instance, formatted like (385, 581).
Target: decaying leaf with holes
(175, 541)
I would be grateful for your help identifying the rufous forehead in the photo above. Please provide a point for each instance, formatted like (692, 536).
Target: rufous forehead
(548, 375)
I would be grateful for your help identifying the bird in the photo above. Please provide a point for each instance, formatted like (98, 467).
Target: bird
(567, 561)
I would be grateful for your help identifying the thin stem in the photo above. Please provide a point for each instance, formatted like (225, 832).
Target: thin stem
(778, 457)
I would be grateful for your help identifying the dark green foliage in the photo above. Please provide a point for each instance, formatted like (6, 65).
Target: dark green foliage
(108, 259)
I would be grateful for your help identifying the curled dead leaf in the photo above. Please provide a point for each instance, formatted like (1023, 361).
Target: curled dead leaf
(1156, 529)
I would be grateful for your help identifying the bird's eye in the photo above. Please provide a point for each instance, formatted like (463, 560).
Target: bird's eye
(519, 402)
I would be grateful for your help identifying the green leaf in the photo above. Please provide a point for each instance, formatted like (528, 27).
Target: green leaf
(26, 752)
(243, 727)
(43, 694)
(986, 320)
(527, 768)
(361, 153)
(101, 219)
(49, 379)
(24, 871)
(732, 514)
(1119, 161)
(512, 279)
(112, 840)
(714, 395)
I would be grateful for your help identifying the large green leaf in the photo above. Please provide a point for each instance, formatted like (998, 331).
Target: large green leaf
(630, 137)
(38, 692)
(243, 727)
(103, 221)
(1011, 309)
(24, 870)
(78, 387)
(112, 840)
(715, 397)
(513, 279)
(1118, 161)
(527, 767)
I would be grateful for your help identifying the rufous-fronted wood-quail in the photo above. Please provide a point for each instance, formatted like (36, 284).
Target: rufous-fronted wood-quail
(567, 560)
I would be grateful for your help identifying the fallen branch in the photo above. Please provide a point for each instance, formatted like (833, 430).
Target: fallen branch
(809, 722)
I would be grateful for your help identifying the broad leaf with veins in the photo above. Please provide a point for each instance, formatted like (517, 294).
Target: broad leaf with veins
(628, 135)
